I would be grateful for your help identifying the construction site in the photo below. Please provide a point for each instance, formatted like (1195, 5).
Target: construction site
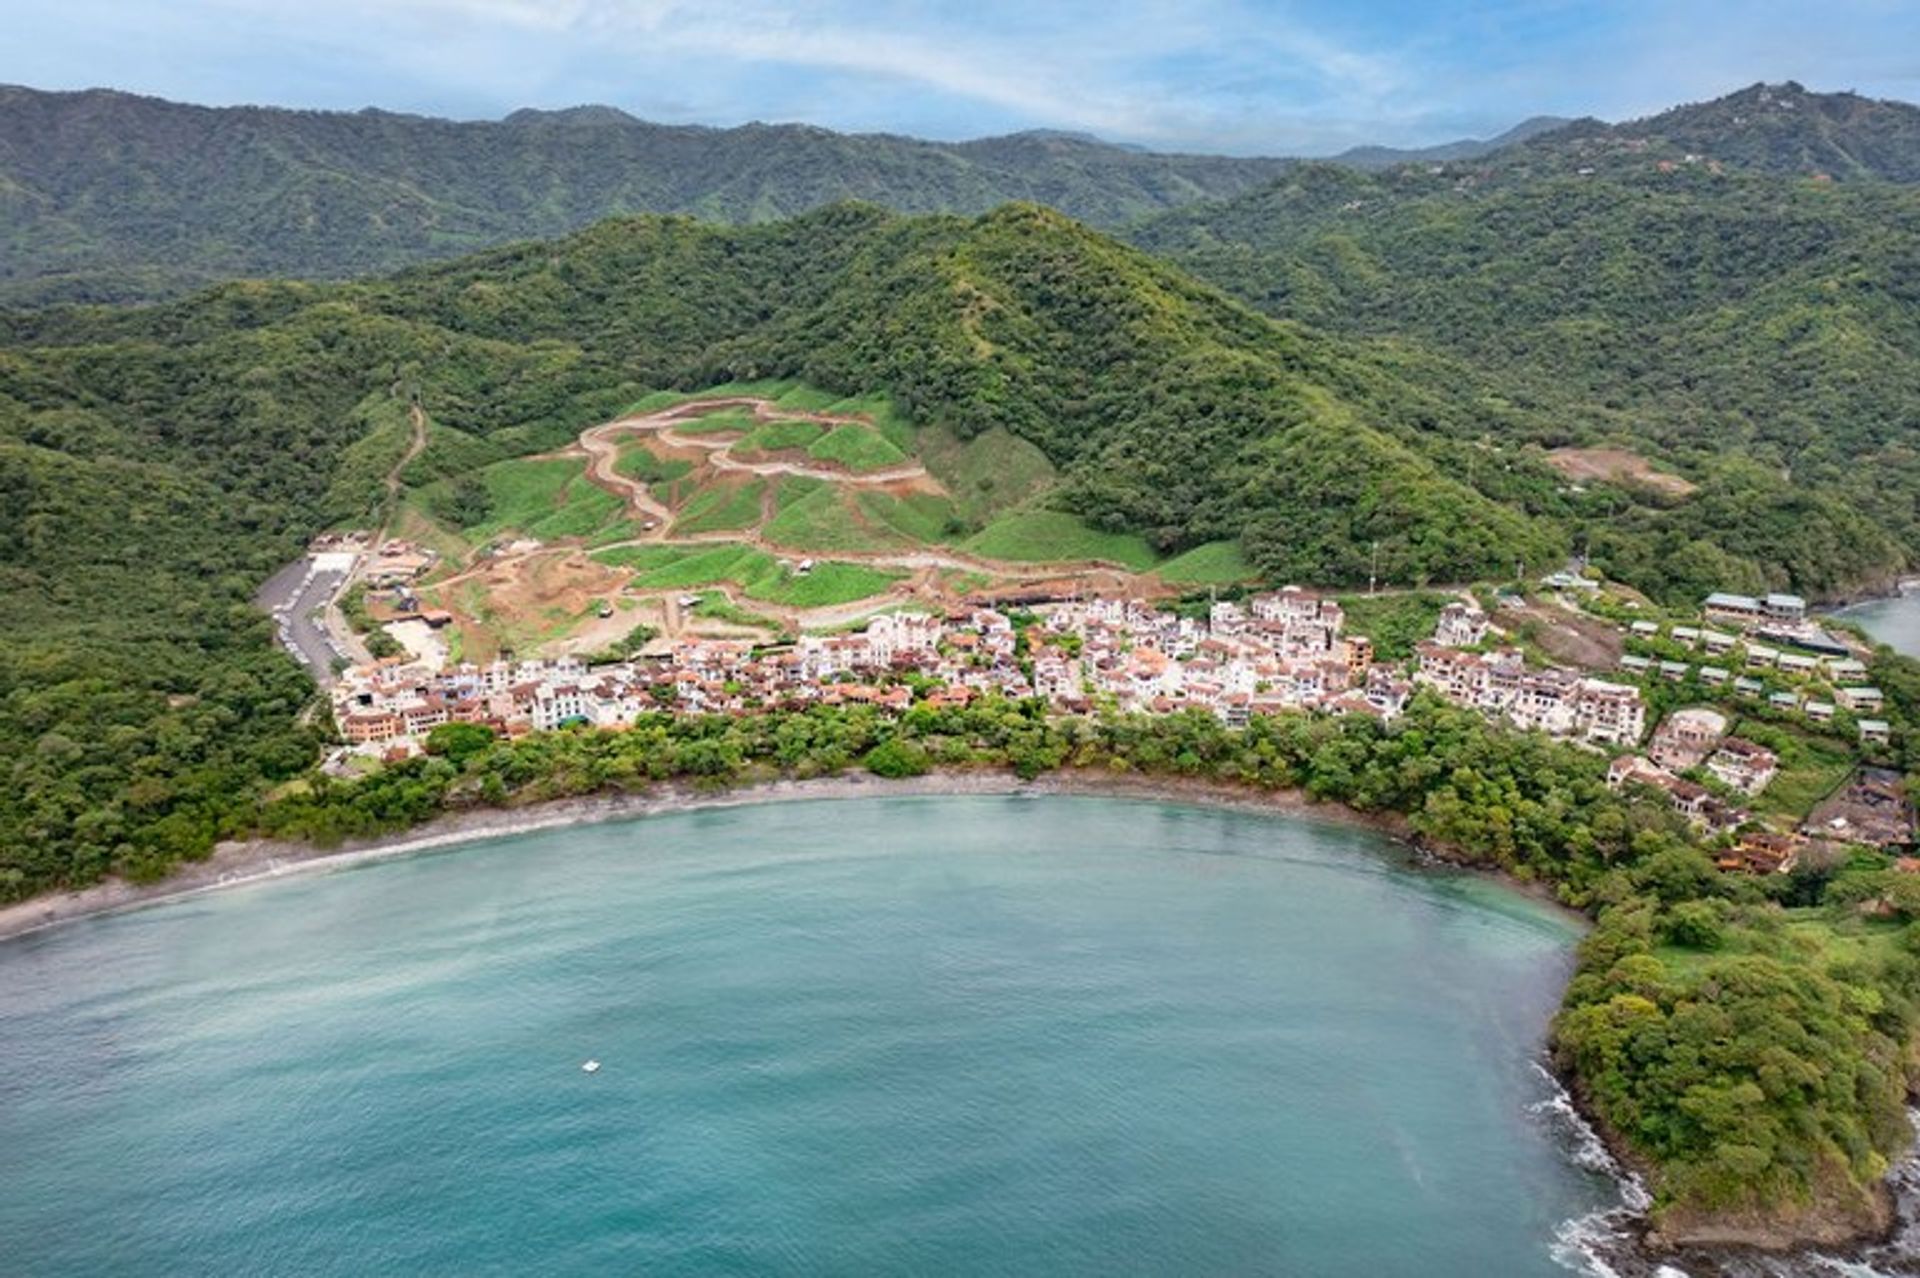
(734, 516)
(762, 514)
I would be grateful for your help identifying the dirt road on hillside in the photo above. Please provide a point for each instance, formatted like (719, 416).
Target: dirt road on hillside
(601, 446)
(507, 575)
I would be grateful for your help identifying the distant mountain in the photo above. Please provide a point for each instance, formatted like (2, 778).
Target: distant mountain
(1371, 158)
(1765, 128)
(1785, 128)
(105, 195)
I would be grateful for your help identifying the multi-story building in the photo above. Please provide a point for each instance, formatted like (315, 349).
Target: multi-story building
(1461, 625)
(1743, 765)
(1610, 713)
(1686, 738)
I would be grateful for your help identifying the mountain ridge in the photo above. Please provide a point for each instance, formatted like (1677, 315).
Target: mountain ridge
(1385, 157)
(228, 191)
(1784, 129)
(110, 196)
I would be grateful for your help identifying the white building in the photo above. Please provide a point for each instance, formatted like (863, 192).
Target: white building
(1461, 625)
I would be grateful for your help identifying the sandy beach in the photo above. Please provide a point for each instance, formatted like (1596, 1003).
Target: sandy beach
(254, 860)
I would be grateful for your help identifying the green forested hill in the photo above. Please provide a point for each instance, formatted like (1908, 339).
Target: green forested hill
(105, 195)
(1784, 129)
(108, 196)
(157, 462)
(1170, 409)
(1758, 334)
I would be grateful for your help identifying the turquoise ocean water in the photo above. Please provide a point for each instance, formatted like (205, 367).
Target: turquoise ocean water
(887, 1036)
(1894, 621)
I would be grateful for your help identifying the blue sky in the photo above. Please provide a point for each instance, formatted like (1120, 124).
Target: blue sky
(1245, 76)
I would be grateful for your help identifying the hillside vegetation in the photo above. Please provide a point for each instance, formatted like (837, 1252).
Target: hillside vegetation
(1169, 414)
(1757, 335)
(158, 463)
(1770, 128)
(110, 196)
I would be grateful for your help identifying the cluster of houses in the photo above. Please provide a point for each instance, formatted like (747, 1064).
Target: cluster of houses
(1870, 810)
(1286, 650)
(1822, 660)
(1697, 739)
(1692, 749)
(1498, 682)
(1279, 651)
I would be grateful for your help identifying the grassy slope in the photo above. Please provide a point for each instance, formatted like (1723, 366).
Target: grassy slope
(721, 508)
(857, 447)
(758, 574)
(1811, 767)
(1217, 563)
(813, 514)
(718, 607)
(1041, 536)
(779, 436)
(546, 498)
(991, 472)
(1394, 622)
(637, 461)
(923, 517)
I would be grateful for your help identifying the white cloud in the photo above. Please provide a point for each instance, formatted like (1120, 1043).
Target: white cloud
(1279, 76)
(1075, 65)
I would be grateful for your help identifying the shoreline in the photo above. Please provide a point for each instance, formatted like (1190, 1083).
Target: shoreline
(237, 863)
(1900, 589)
(240, 863)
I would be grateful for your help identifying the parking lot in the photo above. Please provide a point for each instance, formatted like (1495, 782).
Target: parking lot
(294, 596)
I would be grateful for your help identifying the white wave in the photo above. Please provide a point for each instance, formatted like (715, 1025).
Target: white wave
(1583, 1243)
(1901, 1254)
(1593, 1245)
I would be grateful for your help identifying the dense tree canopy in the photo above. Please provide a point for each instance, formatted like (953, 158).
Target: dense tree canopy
(259, 191)
(1753, 334)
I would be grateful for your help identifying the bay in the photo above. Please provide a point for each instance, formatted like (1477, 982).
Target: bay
(1894, 621)
(960, 1035)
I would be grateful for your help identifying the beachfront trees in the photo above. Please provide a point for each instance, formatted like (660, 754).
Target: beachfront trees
(459, 741)
(1752, 1065)
(896, 757)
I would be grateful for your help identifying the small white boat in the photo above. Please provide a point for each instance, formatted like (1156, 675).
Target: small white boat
(591, 1066)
